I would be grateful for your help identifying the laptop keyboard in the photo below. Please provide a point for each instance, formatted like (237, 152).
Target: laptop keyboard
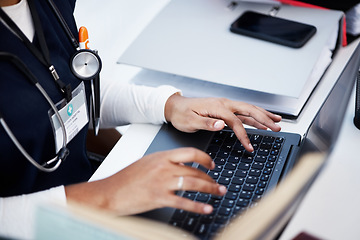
(245, 174)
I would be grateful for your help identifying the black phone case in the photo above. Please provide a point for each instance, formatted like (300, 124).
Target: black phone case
(269, 38)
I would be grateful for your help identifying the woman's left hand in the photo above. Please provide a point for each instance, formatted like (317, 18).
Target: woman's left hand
(193, 114)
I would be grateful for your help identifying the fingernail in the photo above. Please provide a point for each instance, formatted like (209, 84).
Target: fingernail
(218, 124)
(222, 189)
(208, 209)
(212, 165)
(251, 147)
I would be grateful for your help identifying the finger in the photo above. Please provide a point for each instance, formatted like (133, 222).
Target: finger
(185, 155)
(242, 135)
(189, 205)
(195, 184)
(274, 117)
(251, 122)
(236, 125)
(261, 116)
(207, 123)
(193, 172)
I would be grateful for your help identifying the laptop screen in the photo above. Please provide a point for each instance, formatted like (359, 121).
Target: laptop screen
(326, 125)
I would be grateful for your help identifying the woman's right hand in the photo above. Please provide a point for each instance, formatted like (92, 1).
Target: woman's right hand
(151, 183)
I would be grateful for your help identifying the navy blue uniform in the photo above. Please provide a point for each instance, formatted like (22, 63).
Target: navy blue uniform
(25, 110)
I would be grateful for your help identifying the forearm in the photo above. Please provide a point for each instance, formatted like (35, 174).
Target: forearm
(124, 103)
(17, 214)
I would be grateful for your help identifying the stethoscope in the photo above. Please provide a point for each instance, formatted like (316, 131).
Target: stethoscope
(85, 65)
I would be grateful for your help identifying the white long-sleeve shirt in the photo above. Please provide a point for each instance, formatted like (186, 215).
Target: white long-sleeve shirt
(138, 104)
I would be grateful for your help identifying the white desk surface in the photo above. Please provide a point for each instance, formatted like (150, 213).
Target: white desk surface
(330, 209)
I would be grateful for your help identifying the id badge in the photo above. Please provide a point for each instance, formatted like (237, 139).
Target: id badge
(74, 115)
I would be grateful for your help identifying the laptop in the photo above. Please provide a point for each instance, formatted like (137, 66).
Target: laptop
(249, 176)
(189, 45)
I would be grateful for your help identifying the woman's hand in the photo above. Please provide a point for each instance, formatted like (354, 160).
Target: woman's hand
(192, 114)
(151, 183)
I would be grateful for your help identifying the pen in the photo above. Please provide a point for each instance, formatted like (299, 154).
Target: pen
(95, 83)
(83, 38)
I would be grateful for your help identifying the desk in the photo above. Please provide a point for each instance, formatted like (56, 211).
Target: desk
(330, 208)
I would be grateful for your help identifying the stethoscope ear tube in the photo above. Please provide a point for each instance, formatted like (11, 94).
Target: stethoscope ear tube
(56, 161)
(85, 64)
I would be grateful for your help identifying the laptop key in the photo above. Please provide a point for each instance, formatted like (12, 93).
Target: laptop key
(256, 197)
(234, 188)
(190, 224)
(190, 196)
(264, 178)
(213, 148)
(277, 146)
(245, 194)
(202, 197)
(176, 223)
(251, 179)
(244, 166)
(259, 191)
(231, 195)
(228, 203)
(267, 171)
(218, 168)
(237, 180)
(256, 138)
(266, 145)
(179, 214)
(214, 175)
(255, 172)
(241, 173)
(224, 180)
(227, 173)
(264, 152)
(260, 159)
(268, 139)
(223, 154)
(220, 161)
(224, 211)
(269, 165)
(207, 219)
(262, 184)
(221, 219)
(201, 229)
(242, 202)
(230, 166)
(272, 158)
(234, 159)
(249, 187)
(258, 166)
(214, 202)
(246, 160)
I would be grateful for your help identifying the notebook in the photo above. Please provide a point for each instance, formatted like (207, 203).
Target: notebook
(249, 176)
(189, 45)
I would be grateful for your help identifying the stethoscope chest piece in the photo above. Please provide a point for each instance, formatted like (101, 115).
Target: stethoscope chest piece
(85, 64)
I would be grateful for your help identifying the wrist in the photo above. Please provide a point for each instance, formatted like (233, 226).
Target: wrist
(170, 105)
(88, 193)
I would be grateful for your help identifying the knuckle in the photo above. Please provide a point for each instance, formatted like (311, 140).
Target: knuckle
(209, 123)
(192, 152)
(223, 100)
(181, 203)
(191, 183)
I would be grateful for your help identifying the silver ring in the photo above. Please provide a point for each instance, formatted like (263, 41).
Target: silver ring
(180, 183)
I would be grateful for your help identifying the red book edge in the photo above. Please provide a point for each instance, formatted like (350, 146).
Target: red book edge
(308, 5)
